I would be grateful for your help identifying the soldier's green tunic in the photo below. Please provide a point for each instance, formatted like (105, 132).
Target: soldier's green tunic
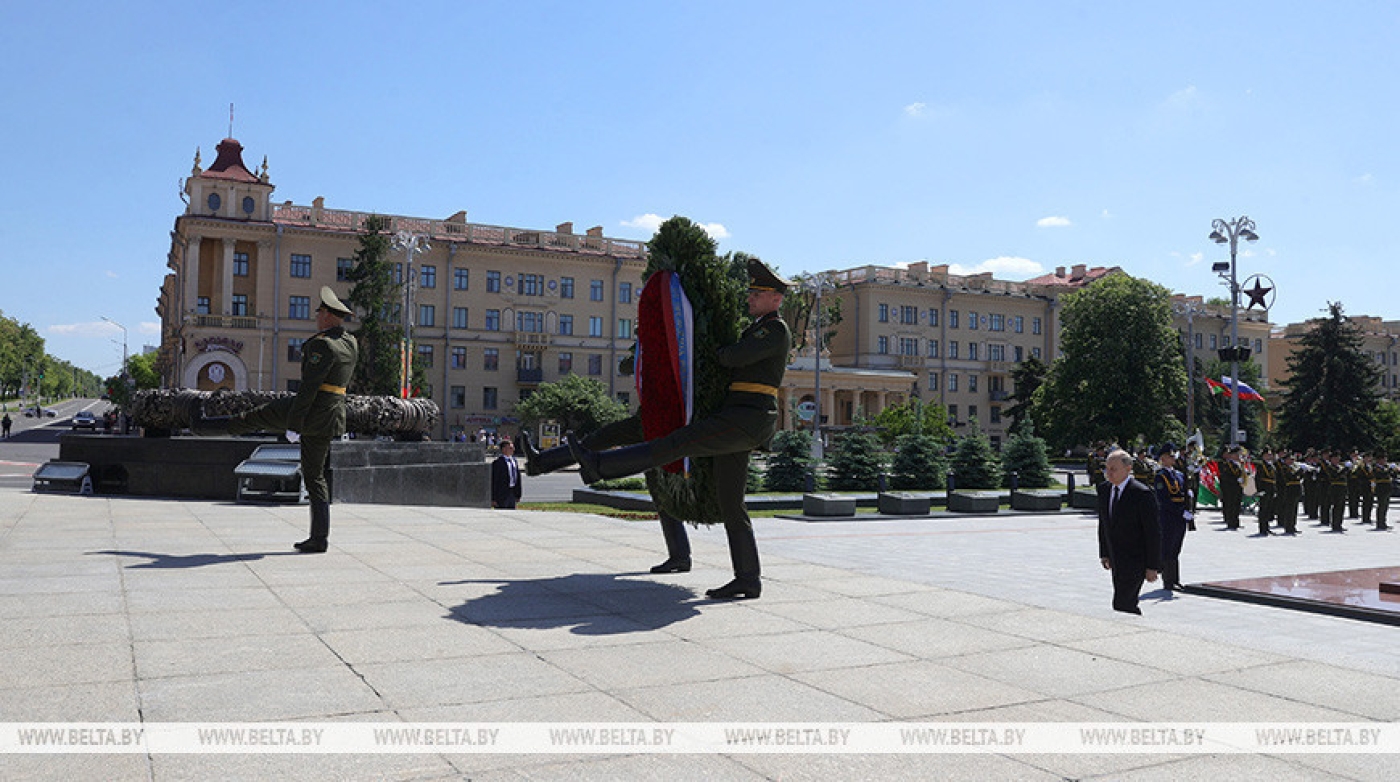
(317, 412)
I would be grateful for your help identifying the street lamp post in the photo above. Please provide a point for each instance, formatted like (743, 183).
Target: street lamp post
(410, 243)
(819, 281)
(1223, 232)
(123, 328)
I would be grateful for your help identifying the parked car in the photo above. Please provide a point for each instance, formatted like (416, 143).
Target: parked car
(38, 412)
(84, 420)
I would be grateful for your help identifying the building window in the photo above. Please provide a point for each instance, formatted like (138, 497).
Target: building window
(1018, 324)
(595, 364)
(624, 328)
(566, 363)
(971, 321)
(1019, 353)
(491, 359)
(624, 293)
(427, 277)
(998, 323)
(459, 317)
(398, 274)
(531, 322)
(884, 316)
(995, 414)
(1259, 347)
(427, 314)
(972, 351)
(299, 308)
(952, 415)
(566, 287)
(493, 282)
(1212, 342)
(461, 279)
(240, 265)
(909, 315)
(595, 326)
(493, 320)
(952, 348)
(240, 305)
(488, 398)
(294, 349)
(1199, 341)
(201, 305)
(1035, 325)
(908, 346)
(459, 358)
(883, 343)
(425, 356)
(595, 290)
(933, 381)
(933, 348)
(952, 319)
(532, 285)
(952, 381)
(996, 352)
(932, 316)
(971, 411)
(566, 325)
(300, 266)
(344, 267)
(972, 384)
(458, 398)
(624, 397)
(1035, 353)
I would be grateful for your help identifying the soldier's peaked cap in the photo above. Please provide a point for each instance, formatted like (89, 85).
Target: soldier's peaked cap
(762, 278)
(333, 303)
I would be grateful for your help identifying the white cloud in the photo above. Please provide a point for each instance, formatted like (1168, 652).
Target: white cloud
(1105, 214)
(1005, 267)
(95, 328)
(111, 275)
(1195, 258)
(1365, 179)
(148, 327)
(1053, 221)
(1184, 98)
(915, 109)
(650, 221)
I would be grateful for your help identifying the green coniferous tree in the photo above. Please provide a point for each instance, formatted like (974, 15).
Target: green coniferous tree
(373, 296)
(857, 462)
(1331, 401)
(919, 463)
(975, 465)
(1024, 454)
(790, 462)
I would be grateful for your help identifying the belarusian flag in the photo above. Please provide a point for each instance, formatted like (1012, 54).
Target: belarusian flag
(1208, 492)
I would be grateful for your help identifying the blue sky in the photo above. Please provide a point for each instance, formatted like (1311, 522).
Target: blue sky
(1011, 136)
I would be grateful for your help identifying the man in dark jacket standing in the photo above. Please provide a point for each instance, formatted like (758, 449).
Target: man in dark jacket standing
(505, 478)
(1129, 537)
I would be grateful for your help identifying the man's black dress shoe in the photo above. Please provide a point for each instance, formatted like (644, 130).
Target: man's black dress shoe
(735, 590)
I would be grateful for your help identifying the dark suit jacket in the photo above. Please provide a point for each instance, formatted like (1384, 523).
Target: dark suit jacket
(1131, 536)
(503, 495)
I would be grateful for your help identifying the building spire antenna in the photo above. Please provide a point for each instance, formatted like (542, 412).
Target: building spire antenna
(230, 120)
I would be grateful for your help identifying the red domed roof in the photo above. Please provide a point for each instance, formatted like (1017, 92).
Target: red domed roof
(229, 164)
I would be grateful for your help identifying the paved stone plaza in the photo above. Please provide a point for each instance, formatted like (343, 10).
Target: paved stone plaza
(157, 611)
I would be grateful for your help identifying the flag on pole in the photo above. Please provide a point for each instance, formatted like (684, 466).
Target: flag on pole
(1225, 385)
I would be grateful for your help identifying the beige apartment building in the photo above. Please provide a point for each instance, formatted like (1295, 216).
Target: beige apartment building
(494, 311)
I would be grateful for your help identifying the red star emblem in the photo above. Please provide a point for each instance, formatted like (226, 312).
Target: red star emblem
(1256, 296)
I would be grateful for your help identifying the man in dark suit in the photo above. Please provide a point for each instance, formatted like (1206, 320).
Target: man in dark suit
(505, 477)
(1129, 538)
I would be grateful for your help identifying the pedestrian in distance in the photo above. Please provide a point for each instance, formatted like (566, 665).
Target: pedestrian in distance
(506, 488)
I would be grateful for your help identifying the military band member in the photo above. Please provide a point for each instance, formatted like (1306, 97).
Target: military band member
(1361, 484)
(1266, 479)
(1383, 473)
(1356, 477)
(1230, 481)
(1290, 479)
(1314, 487)
(1335, 475)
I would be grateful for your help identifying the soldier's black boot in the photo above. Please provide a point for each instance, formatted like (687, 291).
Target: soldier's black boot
(743, 553)
(540, 462)
(320, 529)
(677, 546)
(597, 466)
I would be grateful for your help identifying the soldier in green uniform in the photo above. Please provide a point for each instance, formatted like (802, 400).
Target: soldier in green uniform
(1290, 483)
(1313, 486)
(1266, 479)
(316, 413)
(1334, 473)
(746, 421)
(1230, 482)
(1383, 473)
(1361, 486)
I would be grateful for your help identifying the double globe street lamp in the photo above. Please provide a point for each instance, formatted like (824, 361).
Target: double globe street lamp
(1230, 232)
